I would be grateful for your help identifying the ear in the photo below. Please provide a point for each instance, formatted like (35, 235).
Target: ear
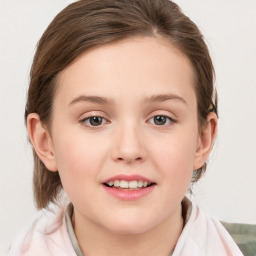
(41, 141)
(205, 140)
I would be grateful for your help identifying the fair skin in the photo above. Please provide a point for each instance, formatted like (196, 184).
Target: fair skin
(148, 126)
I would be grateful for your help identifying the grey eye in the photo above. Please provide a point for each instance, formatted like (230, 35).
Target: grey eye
(160, 120)
(94, 121)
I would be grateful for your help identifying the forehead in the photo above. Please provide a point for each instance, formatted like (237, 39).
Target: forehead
(139, 66)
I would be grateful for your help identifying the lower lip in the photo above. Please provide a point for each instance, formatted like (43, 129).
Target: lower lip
(129, 194)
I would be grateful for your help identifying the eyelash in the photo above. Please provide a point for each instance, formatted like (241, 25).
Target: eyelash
(90, 118)
(104, 121)
(166, 118)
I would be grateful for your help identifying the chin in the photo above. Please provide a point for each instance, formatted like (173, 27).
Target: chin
(130, 226)
(128, 230)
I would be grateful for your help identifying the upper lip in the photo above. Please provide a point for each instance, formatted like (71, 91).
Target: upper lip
(128, 178)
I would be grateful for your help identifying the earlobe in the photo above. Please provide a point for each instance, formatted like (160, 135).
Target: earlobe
(205, 140)
(41, 141)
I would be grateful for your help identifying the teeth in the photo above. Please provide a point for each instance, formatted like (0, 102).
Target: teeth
(124, 184)
(133, 184)
(116, 183)
(145, 183)
(111, 183)
(128, 184)
(140, 184)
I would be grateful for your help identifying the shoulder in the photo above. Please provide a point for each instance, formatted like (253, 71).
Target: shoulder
(204, 235)
(46, 231)
(244, 235)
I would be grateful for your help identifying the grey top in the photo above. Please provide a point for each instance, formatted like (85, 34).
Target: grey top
(71, 233)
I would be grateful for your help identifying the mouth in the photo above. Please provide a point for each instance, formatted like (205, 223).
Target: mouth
(128, 185)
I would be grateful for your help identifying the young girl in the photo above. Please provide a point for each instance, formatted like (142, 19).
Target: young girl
(122, 116)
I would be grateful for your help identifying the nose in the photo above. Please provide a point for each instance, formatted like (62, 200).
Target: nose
(128, 146)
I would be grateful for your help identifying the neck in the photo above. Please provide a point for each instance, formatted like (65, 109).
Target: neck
(160, 240)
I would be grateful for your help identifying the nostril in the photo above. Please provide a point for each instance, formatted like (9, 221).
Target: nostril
(129, 159)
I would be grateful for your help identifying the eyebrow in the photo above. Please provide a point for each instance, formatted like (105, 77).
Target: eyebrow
(103, 100)
(92, 99)
(165, 97)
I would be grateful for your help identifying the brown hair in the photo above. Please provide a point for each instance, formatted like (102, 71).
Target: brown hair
(88, 23)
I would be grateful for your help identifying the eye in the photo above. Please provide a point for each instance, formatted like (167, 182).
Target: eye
(161, 120)
(94, 121)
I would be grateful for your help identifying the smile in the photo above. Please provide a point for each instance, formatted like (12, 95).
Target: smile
(128, 187)
(124, 184)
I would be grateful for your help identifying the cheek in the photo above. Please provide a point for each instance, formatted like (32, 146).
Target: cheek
(174, 156)
(78, 159)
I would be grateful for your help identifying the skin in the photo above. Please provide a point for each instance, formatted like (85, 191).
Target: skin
(128, 141)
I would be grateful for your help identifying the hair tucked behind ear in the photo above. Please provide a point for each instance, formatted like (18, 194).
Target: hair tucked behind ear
(89, 23)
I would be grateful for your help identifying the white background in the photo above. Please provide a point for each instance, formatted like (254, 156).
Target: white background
(229, 189)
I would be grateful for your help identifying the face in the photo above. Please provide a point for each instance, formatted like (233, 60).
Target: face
(125, 133)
